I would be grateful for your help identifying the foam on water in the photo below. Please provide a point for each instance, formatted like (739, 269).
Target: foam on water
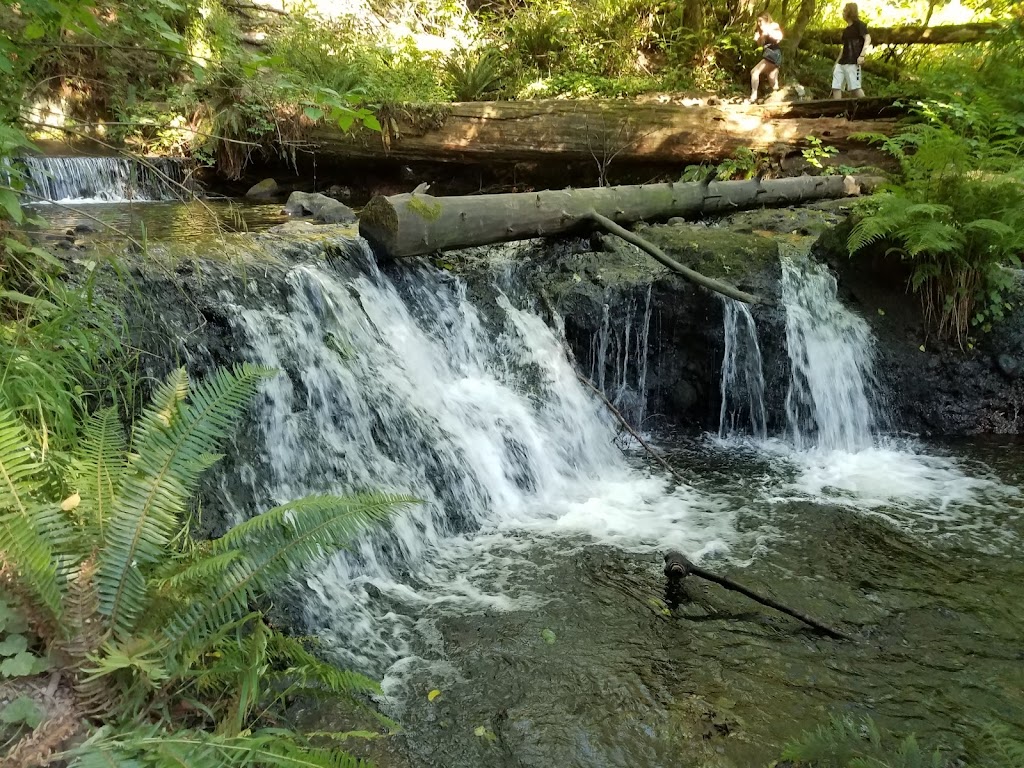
(835, 449)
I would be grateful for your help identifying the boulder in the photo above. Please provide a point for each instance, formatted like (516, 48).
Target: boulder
(322, 208)
(263, 190)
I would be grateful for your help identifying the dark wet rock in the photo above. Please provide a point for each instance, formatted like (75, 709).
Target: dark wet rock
(1009, 365)
(84, 226)
(320, 207)
(339, 192)
(263, 190)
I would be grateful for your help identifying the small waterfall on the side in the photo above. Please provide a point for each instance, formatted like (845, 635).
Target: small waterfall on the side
(618, 356)
(105, 179)
(743, 408)
(829, 404)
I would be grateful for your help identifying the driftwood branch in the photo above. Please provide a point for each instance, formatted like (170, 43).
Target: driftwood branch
(659, 255)
(678, 567)
(628, 427)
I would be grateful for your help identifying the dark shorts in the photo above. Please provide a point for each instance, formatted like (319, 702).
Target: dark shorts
(774, 55)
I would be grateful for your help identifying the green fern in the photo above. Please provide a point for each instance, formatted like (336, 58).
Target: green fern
(31, 531)
(175, 448)
(147, 618)
(846, 743)
(271, 545)
(997, 746)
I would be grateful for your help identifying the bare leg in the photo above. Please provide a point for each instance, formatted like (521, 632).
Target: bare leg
(773, 78)
(836, 94)
(755, 78)
(859, 93)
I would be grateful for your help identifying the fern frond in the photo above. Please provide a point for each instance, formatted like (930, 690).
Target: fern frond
(19, 468)
(358, 510)
(997, 746)
(30, 531)
(197, 749)
(189, 573)
(99, 468)
(273, 544)
(161, 477)
(306, 670)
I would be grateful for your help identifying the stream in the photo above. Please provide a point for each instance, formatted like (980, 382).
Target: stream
(526, 588)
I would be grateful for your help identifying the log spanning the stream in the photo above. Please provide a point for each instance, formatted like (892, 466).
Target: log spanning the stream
(616, 133)
(416, 224)
(949, 34)
(678, 567)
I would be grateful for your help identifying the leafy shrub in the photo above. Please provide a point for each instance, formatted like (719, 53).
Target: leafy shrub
(157, 631)
(958, 214)
(472, 75)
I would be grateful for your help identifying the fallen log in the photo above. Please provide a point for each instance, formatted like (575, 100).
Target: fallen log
(678, 567)
(415, 224)
(977, 32)
(604, 132)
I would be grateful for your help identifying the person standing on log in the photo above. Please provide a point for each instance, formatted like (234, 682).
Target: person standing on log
(846, 75)
(769, 34)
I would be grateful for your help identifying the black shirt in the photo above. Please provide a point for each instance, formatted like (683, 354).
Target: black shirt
(853, 42)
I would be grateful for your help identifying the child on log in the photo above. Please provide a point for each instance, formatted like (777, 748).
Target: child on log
(769, 34)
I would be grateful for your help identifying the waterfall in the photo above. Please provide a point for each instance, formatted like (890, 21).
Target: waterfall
(832, 386)
(742, 385)
(618, 355)
(403, 385)
(104, 179)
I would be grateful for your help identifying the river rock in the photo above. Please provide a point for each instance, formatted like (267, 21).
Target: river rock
(263, 190)
(1009, 365)
(323, 208)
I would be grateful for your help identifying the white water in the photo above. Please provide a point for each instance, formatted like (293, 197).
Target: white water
(403, 388)
(831, 350)
(742, 385)
(618, 356)
(835, 448)
(103, 179)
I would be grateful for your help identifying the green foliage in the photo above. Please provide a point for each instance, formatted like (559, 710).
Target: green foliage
(848, 743)
(845, 743)
(473, 75)
(957, 216)
(154, 627)
(815, 152)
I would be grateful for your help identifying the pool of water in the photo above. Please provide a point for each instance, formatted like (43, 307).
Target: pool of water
(163, 220)
(912, 549)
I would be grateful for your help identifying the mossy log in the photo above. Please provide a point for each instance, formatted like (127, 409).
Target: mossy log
(948, 34)
(602, 132)
(415, 224)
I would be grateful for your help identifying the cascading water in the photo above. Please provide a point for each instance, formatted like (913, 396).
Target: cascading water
(104, 179)
(404, 386)
(618, 356)
(829, 404)
(742, 386)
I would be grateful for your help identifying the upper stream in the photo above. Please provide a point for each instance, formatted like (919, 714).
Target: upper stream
(526, 586)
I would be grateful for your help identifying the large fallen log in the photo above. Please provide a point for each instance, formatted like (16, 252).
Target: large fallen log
(415, 224)
(603, 132)
(977, 32)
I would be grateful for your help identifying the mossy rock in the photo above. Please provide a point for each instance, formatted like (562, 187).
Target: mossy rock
(714, 252)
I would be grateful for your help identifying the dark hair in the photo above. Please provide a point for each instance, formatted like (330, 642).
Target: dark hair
(851, 9)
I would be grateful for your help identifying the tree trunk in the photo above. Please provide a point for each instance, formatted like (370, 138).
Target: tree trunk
(416, 224)
(589, 131)
(796, 30)
(944, 35)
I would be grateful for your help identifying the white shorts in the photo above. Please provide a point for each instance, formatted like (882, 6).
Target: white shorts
(846, 77)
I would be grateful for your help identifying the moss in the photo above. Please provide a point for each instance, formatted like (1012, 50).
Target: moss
(424, 209)
(714, 252)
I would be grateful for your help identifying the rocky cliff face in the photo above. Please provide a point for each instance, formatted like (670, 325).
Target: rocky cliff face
(631, 324)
